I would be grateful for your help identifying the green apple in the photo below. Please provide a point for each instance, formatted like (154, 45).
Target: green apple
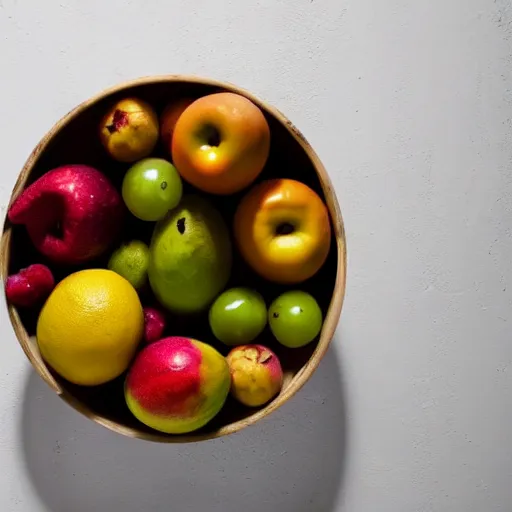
(151, 187)
(237, 316)
(295, 318)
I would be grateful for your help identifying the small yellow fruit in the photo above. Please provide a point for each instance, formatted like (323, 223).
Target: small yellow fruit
(90, 326)
(129, 130)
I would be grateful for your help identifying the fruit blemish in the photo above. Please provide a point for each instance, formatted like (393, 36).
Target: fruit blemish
(119, 120)
(181, 225)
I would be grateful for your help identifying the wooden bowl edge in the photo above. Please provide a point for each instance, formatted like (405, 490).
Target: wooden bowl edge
(335, 307)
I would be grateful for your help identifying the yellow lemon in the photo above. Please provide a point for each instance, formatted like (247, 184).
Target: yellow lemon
(90, 326)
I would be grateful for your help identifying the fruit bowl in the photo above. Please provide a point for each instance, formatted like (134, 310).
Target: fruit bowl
(290, 156)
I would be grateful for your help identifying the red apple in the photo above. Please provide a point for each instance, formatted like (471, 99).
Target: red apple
(72, 213)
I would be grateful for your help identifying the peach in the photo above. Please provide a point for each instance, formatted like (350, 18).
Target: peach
(177, 385)
(221, 143)
(256, 374)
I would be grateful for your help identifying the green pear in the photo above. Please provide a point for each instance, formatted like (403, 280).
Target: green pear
(190, 256)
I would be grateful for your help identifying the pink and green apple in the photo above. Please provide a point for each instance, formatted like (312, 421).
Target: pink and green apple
(177, 385)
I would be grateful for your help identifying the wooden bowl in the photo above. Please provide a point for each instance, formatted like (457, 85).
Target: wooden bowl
(74, 139)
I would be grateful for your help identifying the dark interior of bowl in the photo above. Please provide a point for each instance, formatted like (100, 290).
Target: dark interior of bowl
(78, 142)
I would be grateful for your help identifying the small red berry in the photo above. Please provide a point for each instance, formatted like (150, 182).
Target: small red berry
(154, 324)
(29, 286)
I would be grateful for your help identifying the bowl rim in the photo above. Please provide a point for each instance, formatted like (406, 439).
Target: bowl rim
(333, 312)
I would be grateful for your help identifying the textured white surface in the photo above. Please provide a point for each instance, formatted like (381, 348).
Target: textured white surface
(409, 105)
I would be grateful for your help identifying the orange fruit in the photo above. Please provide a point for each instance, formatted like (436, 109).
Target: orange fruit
(283, 231)
(90, 326)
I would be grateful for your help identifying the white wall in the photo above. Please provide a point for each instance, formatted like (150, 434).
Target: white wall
(409, 104)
